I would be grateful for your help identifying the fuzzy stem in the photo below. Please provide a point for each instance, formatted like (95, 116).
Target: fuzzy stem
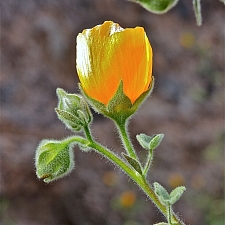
(122, 128)
(140, 180)
(148, 162)
(169, 214)
(88, 133)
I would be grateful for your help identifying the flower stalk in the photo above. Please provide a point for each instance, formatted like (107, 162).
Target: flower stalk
(122, 128)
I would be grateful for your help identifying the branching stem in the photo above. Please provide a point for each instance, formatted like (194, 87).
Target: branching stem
(119, 162)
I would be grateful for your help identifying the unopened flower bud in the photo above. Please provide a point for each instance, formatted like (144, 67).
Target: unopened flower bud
(73, 110)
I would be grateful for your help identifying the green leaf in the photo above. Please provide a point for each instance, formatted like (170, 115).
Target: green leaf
(157, 6)
(176, 194)
(166, 198)
(156, 140)
(54, 159)
(144, 140)
(149, 142)
(223, 1)
(133, 162)
(197, 10)
(162, 193)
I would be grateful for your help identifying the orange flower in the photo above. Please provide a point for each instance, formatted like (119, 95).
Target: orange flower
(108, 54)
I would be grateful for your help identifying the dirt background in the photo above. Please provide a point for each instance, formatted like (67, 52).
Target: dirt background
(187, 105)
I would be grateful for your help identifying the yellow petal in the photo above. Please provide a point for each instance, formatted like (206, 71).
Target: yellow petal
(107, 54)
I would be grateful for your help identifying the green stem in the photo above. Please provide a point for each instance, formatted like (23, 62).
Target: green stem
(140, 180)
(122, 128)
(169, 214)
(88, 133)
(151, 194)
(148, 162)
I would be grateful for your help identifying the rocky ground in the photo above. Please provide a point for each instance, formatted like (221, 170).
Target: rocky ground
(187, 105)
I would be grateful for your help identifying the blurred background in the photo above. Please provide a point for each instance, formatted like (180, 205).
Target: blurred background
(38, 40)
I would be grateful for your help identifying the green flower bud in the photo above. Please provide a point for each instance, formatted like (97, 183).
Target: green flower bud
(54, 159)
(73, 110)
